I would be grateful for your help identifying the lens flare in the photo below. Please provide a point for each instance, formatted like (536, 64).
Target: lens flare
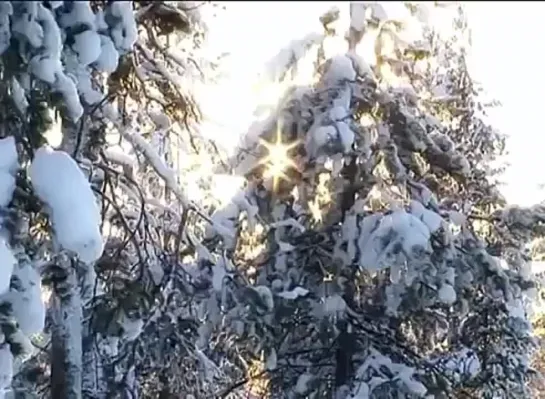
(277, 161)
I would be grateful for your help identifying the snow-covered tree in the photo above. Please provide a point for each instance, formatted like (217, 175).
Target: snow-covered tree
(51, 52)
(384, 268)
(369, 252)
(80, 81)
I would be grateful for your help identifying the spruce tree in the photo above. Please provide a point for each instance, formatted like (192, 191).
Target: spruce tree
(386, 269)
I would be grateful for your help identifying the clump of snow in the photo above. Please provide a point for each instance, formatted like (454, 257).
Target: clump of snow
(87, 45)
(457, 218)
(61, 185)
(124, 33)
(131, 327)
(42, 33)
(431, 219)
(290, 55)
(357, 16)
(346, 136)
(394, 233)
(293, 294)
(318, 138)
(6, 368)
(272, 360)
(8, 167)
(218, 275)
(516, 309)
(109, 57)
(80, 13)
(26, 299)
(303, 382)
(7, 263)
(8, 155)
(463, 364)
(18, 95)
(24, 343)
(116, 155)
(26, 26)
(6, 10)
(378, 369)
(266, 296)
(340, 69)
(37, 25)
(447, 294)
(7, 187)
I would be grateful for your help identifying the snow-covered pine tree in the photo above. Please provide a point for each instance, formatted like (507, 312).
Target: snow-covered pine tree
(380, 272)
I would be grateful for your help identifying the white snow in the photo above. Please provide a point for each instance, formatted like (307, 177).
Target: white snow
(319, 137)
(278, 65)
(463, 363)
(80, 14)
(457, 218)
(131, 327)
(52, 41)
(116, 155)
(266, 296)
(85, 87)
(7, 187)
(431, 219)
(27, 26)
(302, 385)
(18, 95)
(447, 294)
(26, 300)
(381, 369)
(357, 16)
(7, 263)
(67, 87)
(109, 57)
(399, 228)
(218, 275)
(45, 68)
(293, 294)
(333, 304)
(61, 185)
(515, 308)
(340, 69)
(125, 33)
(285, 246)
(224, 222)
(361, 67)
(272, 360)
(360, 391)
(8, 167)
(6, 9)
(6, 368)
(346, 135)
(87, 45)
(55, 4)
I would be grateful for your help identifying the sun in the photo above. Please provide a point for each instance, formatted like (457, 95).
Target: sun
(277, 160)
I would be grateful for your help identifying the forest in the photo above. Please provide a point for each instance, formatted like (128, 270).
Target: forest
(354, 244)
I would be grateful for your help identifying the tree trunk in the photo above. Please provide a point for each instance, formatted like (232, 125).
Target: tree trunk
(94, 385)
(66, 333)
